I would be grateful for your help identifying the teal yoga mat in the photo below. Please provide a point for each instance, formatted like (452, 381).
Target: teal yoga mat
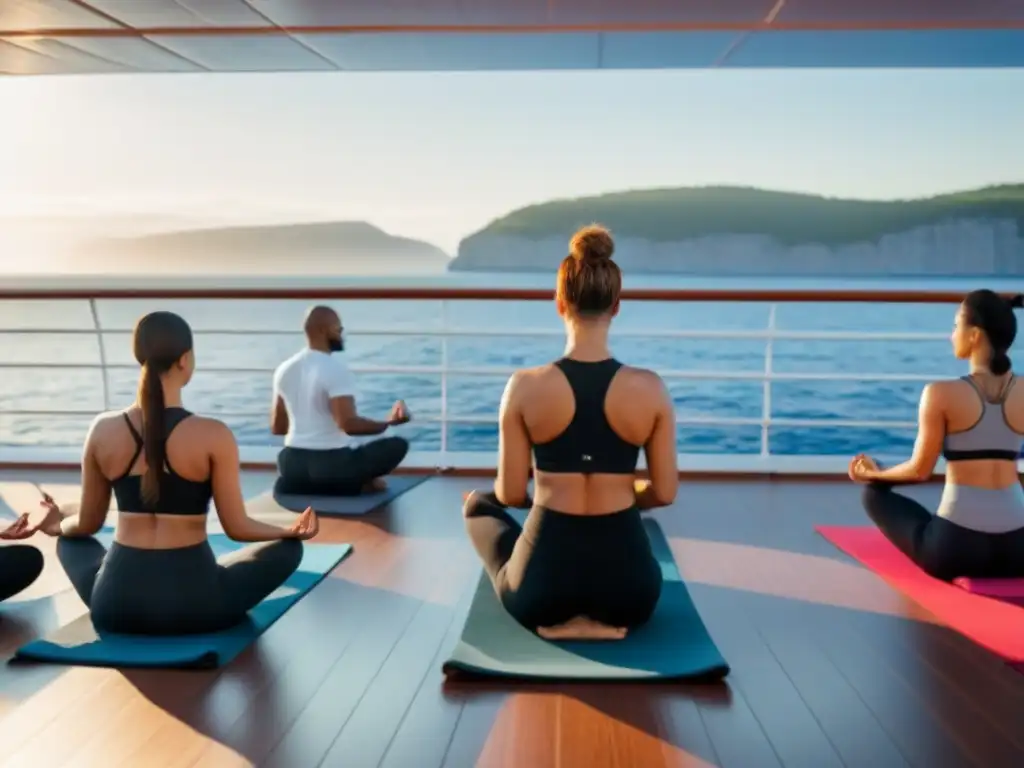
(673, 645)
(79, 644)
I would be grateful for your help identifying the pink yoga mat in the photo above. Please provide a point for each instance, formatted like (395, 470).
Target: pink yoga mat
(995, 625)
(1001, 589)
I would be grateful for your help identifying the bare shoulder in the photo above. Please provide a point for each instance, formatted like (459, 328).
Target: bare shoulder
(946, 393)
(107, 424)
(535, 373)
(207, 428)
(527, 379)
(947, 388)
(643, 382)
(532, 384)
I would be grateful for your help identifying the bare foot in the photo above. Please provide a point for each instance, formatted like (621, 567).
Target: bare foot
(375, 486)
(582, 628)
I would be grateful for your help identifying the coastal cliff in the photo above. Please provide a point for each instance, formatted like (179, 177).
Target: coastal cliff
(740, 231)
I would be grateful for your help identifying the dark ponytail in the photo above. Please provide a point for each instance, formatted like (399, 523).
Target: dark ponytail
(1001, 362)
(993, 314)
(151, 398)
(161, 339)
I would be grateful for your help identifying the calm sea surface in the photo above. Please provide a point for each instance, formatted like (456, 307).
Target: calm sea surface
(262, 333)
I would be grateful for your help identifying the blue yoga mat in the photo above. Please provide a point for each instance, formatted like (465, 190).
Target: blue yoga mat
(364, 503)
(78, 643)
(673, 645)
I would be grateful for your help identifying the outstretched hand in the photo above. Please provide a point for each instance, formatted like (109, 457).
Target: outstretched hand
(19, 529)
(306, 525)
(399, 413)
(862, 468)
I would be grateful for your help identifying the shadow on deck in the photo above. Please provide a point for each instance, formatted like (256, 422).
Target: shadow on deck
(830, 666)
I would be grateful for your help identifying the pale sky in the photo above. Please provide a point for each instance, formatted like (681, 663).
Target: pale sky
(436, 156)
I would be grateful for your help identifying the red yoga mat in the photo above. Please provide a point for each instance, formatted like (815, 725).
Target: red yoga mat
(996, 625)
(1000, 589)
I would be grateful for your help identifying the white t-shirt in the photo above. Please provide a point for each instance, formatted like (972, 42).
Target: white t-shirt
(306, 382)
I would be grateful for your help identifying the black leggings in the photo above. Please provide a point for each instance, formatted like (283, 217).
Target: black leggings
(562, 566)
(20, 565)
(174, 591)
(942, 548)
(338, 471)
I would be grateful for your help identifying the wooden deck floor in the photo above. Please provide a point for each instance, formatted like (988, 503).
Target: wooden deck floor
(830, 666)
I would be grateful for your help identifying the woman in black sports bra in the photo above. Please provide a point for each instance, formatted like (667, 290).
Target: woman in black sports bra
(582, 565)
(164, 465)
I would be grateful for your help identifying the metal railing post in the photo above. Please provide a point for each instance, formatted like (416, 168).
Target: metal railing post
(443, 458)
(104, 370)
(766, 392)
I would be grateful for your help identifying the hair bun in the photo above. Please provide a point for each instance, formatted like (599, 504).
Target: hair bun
(1000, 362)
(1017, 302)
(592, 244)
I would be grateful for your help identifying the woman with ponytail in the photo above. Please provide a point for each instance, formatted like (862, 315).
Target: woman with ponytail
(164, 465)
(976, 423)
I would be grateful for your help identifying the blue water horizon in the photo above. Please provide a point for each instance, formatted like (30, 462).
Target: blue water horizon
(261, 333)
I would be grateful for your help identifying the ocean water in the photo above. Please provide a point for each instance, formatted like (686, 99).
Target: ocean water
(46, 400)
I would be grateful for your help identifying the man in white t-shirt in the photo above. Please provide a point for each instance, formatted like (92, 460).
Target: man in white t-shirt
(315, 409)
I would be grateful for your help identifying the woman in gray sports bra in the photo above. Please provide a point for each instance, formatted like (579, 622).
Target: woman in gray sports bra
(978, 530)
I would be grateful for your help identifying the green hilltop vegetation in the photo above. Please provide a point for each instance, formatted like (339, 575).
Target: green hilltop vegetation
(667, 215)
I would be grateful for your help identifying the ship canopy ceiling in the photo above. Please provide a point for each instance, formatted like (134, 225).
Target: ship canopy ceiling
(118, 36)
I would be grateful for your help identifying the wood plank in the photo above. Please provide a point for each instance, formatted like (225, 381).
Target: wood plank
(282, 671)
(794, 733)
(423, 735)
(830, 665)
(394, 575)
(968, 721)
(172, 692)
(787, 593)
(907, 717)
(854, 731)
(987, 689)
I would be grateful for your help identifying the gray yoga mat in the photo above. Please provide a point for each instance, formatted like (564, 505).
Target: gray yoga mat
(673, 645)
(349, 505)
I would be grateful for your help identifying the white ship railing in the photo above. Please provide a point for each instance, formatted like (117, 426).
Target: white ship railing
(445, 458)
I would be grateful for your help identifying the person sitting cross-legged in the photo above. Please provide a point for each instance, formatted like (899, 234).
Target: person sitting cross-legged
(315, 409)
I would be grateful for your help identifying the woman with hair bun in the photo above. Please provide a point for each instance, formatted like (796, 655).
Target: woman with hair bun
(976, 423)
(582, 565)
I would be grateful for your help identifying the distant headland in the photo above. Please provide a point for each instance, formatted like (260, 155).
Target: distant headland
(710, 231)
(747, 231)
(321, 247)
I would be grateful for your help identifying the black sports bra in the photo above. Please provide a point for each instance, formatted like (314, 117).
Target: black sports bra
(178, 496)
(588, 445)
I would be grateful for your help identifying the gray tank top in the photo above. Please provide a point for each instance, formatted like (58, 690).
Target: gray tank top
(987, 510)
(990, 437)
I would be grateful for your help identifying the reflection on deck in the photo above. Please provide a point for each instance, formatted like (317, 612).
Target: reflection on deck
(830, 666)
